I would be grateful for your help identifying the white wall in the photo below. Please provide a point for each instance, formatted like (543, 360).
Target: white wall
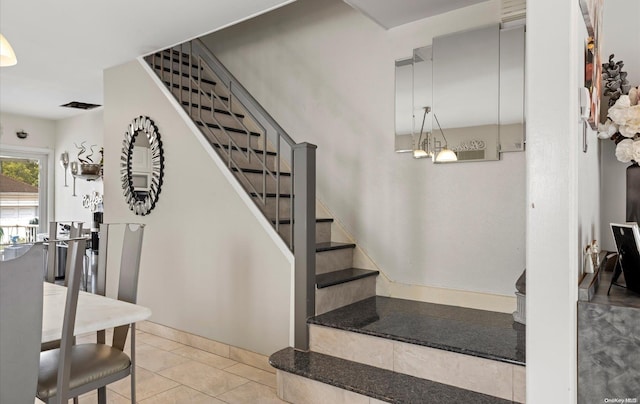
(208, 266)
(621, 33)
(86, 127)
(326, 74)
(562, 197)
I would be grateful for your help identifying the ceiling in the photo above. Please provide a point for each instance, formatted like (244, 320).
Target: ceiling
(391, 14)
(63, 46)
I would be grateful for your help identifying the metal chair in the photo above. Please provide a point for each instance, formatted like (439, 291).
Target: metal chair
(94, 365)
(21, 325)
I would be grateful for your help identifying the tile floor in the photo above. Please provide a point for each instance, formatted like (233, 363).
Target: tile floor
(170, 372)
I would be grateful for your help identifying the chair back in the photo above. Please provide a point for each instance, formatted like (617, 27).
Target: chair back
(129, 270)
(21, 325)
(75, 259)
(52, 250)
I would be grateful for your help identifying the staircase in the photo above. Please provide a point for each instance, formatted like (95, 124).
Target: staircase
(382, 349)
(261, 164)
(358, 347)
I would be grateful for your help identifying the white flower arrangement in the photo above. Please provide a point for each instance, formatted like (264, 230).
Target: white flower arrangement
(623, 126)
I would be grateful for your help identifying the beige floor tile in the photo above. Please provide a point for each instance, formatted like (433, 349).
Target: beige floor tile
(147, 384)
(181, 395)
(255, 374)
(156, 359)
(251, 392)
(158, 342)
(203, 378)
(205, 357)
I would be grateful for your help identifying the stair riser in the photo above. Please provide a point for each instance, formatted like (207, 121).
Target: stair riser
(300, 390)
(256, 180)
(269, 209)
(486, 376)
(333, 297)
(333, 260)
(323, 232)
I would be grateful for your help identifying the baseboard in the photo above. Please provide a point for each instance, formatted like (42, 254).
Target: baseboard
(452, 297)
(218, 348)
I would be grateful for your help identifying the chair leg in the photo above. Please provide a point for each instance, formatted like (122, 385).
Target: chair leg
(133, 363)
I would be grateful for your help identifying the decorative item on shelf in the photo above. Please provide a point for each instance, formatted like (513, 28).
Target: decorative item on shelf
(64, 162)
(92, 202)
(623, 127)
(591, 254)
(88, 170)
(74, 173)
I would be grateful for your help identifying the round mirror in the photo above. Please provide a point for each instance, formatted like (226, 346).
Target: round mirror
(142, 165)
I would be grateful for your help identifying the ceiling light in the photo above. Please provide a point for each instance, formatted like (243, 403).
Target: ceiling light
(7, 55)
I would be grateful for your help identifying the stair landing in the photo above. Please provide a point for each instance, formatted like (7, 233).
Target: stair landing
(426, 353)
(480, 333)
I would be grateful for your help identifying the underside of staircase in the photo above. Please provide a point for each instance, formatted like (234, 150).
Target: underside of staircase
(363, 348)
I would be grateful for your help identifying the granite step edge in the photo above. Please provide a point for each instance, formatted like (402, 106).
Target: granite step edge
(381, 384)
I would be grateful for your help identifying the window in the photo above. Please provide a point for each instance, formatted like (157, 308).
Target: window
(23, 195)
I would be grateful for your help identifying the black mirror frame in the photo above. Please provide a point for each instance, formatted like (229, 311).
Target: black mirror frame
(145, 125)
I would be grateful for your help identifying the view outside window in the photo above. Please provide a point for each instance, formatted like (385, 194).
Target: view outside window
(19, 200)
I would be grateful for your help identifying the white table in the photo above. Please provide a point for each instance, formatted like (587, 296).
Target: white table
(94, 313)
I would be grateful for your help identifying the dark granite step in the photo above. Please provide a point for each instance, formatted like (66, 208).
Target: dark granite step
(343, 276)
(382, 384)
(176, 59)
(245, 150)
(479, 333)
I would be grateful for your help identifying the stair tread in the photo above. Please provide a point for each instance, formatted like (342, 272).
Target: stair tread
(244, 149)
(367, 380)
(318, 220)
(258, 171)
(342, 276)
(333, 245)
(227, 128)
(216, 110)
(193, 90)
(485, 334)
(270, 195)
(184, 74)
